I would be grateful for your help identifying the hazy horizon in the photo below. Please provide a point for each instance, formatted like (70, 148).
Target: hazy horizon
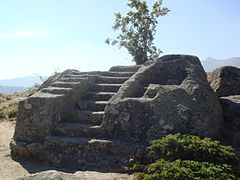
(40, 37)
(209, 64)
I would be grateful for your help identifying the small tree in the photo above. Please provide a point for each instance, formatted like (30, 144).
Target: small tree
(137, 30)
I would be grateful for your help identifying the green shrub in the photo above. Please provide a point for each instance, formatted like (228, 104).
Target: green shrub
(186, 157)
(8, 111)
(2, 114)
(190, 147)
(186, 169)
(12, 113)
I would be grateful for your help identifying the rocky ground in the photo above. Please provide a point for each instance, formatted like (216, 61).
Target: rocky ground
(9, 169)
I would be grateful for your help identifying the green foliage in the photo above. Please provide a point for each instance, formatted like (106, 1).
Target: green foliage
(135, 166)
(190, 147)
(13, 112)
(186, 169)
(8, 111)
(137, 30)
(34, 88)
(2, 115)
(186, 157)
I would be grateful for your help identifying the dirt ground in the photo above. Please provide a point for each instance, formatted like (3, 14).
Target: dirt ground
(12, 169)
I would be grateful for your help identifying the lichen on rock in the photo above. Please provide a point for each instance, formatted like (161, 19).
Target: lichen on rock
(171, 95)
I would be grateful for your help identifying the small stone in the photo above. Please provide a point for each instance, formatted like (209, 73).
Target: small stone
(168, 127)
(27, 105)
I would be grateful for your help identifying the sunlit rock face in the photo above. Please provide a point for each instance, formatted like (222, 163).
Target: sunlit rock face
(169, 96)
(101, 119)
(225, 81)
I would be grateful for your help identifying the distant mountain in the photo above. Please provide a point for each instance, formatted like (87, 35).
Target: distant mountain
(211, 64)
(26, 81)
(12, 89)
(9, 86)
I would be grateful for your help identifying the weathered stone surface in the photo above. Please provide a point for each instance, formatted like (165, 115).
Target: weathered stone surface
(231, 112)
(169, 96)
(71, 122)
(50, 175)
(56, 175)
(125, 68)
(225, 81)
(61, 122)
(55, 77)
(37, 114)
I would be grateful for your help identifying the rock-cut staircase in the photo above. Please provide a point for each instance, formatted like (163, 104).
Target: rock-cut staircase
(78, 141)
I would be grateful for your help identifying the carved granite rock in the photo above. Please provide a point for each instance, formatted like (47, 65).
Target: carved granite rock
(60, 123)
(55, 77)
(169, 96)
(82, 120)
(38, 113)
(225, 81)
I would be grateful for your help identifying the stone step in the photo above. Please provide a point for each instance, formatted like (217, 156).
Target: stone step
(86, 116)
(98, 96)
(106, 87)
(103, 73)
(65, 84)
(79, 153)
(125, 68)
(56, 90)
(77, 129)
(111, 80)
(61, 143)
(92, 105)
(43, 95)
(72, 79)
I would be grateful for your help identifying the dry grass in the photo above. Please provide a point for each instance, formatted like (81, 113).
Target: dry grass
(9, 105)
(209, 74)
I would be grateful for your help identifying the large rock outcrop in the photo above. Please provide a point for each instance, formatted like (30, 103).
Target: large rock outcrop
(225, 81)
(231, 112)
(169, 96)
(61, 122)
(83, 120)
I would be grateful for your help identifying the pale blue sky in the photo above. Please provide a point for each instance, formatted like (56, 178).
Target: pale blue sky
(42, 36)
